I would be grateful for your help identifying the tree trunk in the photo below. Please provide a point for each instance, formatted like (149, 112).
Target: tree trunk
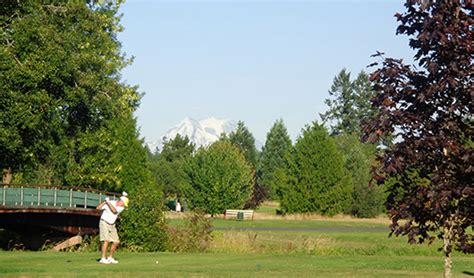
(7, 176)
(447, 248)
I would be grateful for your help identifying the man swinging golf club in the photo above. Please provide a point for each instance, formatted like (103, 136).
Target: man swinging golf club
(108, 231)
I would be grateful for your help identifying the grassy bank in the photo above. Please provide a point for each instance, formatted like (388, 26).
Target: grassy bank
(48, 264)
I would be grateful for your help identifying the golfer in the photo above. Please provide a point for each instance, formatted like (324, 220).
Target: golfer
(108, 231)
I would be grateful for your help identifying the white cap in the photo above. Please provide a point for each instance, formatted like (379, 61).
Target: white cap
(124, 194)
(124, 200)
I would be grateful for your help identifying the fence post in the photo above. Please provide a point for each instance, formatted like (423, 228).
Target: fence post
(70, 198)
(4, 194)
(21, 196)
(39, 196)
(55, 195)
(85, 199)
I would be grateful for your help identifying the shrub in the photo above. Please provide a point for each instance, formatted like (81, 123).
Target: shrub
(194, 236)
(142, 225)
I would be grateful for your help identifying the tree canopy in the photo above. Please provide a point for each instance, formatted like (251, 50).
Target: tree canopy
(220, 178)
(244, 139)
(59, 77)
(168, 166)
(65, 115)
(349, 105)
(428, 108)
(367, 199)
(315, 179)
(277, 146)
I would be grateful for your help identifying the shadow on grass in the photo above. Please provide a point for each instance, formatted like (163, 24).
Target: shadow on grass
(468, 273)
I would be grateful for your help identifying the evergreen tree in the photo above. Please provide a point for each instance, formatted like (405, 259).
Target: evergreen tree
(367, 200)
(220, 177)
(350, 104)
(277, 145)
(244, 139)
(316, 180)
(178, 148)
(168, 169)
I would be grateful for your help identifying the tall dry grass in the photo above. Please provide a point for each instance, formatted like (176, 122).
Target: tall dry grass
(382, 219)
(238, 241)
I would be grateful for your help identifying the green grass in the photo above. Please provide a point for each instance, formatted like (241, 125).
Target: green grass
(353, 251)
(49, 264)
(268, 207)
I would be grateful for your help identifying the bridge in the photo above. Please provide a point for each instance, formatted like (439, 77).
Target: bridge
(43, 212)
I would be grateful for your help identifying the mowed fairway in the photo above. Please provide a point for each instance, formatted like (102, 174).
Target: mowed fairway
(34, 264)
(270, 248)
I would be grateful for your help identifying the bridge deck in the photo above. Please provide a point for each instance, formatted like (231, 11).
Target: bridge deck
(24, 208)
(50, 197)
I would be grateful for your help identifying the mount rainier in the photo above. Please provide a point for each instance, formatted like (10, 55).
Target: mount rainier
(201, 133)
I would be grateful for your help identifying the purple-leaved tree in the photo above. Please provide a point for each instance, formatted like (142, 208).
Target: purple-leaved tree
(428, 109)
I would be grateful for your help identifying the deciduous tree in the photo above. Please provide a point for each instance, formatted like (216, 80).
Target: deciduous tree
(428, 108)
(60, 68)
(220, 177)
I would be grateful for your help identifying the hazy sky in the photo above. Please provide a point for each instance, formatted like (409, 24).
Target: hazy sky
(255, 61)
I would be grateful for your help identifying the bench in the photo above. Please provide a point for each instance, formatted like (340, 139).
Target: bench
(239, 214)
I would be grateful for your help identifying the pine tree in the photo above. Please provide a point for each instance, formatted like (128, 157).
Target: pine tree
(277, 145)
(350, 104)
(244, 139)
(178, 148)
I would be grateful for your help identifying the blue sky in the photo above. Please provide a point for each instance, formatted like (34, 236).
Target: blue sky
(255, 61)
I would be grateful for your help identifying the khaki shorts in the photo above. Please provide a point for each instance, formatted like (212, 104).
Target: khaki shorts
(108, 232)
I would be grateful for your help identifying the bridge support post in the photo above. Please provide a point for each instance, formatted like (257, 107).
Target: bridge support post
(75, 240)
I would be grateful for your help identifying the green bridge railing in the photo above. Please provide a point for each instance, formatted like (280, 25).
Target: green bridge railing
(51, 196)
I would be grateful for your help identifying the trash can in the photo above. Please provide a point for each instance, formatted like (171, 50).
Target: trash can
(240, 215)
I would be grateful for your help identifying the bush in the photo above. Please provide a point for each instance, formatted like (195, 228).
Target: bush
(194, 236)
(142, 225)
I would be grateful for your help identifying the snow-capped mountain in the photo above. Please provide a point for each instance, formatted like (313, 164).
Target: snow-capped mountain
(201, 133)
